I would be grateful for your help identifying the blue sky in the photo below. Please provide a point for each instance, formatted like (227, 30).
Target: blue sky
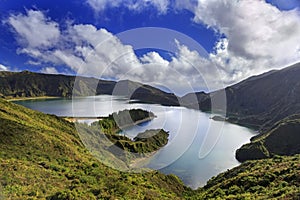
(105, 39)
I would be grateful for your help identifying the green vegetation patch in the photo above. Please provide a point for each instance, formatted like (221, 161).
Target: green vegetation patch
(125, 118)
(282, 139)
(105, 140)
(276, 178)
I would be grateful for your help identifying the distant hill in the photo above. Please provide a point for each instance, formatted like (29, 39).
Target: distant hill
(259, 101)
(29, 84)
(144, 93)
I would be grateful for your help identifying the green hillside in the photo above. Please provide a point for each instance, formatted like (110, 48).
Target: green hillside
(42, 157)
(29, 84)
(276, 178)
(259, 101)
(282, 139)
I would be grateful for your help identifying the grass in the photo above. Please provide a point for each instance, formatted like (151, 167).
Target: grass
(276, 178)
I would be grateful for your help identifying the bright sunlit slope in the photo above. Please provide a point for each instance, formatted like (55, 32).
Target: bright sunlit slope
(276, 178)
(41, 156)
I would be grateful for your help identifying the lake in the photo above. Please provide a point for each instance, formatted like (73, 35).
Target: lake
(198, 148)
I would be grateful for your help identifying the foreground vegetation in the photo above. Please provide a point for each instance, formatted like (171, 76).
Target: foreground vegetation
(43, 157)
(276, 178)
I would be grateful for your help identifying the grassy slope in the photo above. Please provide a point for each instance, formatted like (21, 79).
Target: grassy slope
(276, 178)
(41, 156)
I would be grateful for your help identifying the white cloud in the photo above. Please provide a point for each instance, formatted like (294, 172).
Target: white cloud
(160, 5)
(34, 29)
(153, 57)
(256, 35)
(232, 68)
(49, 70)
(259, 36)
(4, 68)
(96, 52)
(99, 51)
(101, 5)
(33, 62)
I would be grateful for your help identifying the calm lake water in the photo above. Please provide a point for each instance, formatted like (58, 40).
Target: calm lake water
(198, 148)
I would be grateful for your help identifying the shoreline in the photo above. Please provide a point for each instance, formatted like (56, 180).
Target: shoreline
(137, 122)
(31, 98)
(75, 119)
(142, 161)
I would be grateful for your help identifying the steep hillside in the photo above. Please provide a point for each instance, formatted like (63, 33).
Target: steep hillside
(259, 101)
(29, 84)
(282, 139)
(41, 156)
(276, 178)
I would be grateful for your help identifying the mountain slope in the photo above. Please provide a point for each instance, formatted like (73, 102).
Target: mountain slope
(29, 84)
(260, 101)
(144, 93)
(282, 139)
(41, 156)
